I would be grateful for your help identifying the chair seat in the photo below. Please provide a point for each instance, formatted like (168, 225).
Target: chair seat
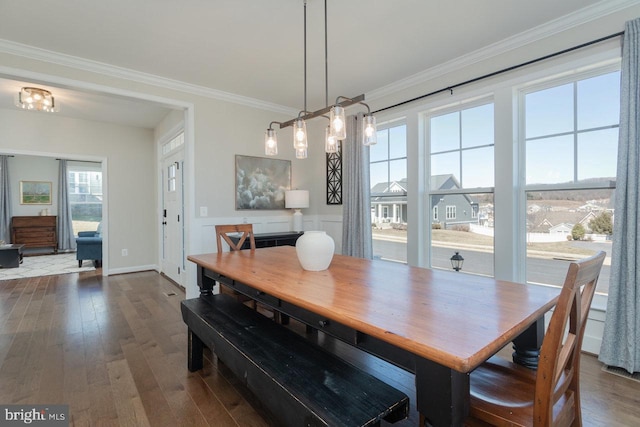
(502, 393)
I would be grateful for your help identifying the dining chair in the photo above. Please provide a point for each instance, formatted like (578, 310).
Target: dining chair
(245, 232)
(506, 394)
(222, 234)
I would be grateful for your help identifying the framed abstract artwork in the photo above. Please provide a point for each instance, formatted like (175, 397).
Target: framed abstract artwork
(261, 182)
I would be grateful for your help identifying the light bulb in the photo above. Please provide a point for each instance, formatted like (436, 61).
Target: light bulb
(368, 131)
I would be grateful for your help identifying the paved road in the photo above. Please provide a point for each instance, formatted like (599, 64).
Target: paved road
(539, 270)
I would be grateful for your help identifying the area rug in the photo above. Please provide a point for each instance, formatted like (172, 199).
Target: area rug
(621, 372)
(45, 265)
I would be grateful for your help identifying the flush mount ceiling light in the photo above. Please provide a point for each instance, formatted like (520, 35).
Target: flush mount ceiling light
(33, 98)
(337, 130)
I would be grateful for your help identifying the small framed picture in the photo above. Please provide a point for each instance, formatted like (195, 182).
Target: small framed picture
(35, 192)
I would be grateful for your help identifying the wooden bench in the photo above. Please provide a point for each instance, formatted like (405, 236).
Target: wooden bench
(299, 382)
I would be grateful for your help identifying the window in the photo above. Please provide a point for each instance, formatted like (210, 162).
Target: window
(462, 177)
(388, 179)
(85, 195)
(171, 178)
(451, 212)
(571, 138)
(174, 143)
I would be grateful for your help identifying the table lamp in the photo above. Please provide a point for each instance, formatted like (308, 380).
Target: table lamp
(296, 199)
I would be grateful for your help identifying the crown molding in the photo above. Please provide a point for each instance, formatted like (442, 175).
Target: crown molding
(31, 52)
(556, 26)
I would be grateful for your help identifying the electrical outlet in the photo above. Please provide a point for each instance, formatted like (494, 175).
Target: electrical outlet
(204, 211)
(125, 252)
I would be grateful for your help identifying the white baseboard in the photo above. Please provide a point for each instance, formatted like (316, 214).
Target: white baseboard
(134, 269)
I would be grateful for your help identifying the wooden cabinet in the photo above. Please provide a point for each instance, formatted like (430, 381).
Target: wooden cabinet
(35, 232)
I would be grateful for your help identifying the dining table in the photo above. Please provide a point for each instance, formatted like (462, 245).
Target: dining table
(439, 325)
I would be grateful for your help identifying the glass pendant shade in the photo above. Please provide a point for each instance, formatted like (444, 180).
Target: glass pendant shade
(299, 134)
(270, 142)
(301, 153)
(338, 122)
(369, 132)
(331, 144)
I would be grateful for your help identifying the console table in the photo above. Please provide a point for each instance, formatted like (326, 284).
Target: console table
(267, 240)
(35, 231)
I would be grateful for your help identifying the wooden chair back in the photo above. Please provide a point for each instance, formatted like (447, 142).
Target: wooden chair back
(559, 362)
(246, 230)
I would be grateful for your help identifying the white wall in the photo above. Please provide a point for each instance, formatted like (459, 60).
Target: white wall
(32, 168)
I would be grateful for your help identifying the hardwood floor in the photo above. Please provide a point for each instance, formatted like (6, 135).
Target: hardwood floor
(114, 350)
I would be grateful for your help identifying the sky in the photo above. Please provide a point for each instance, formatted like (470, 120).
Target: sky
(570, 134)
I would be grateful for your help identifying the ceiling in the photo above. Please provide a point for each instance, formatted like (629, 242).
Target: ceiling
(254, 48)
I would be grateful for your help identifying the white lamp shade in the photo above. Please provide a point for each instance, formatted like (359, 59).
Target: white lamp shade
(296, 199)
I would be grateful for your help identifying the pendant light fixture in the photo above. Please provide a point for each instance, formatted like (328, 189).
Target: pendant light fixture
(337, 129)
(271, 141)
(36, 99)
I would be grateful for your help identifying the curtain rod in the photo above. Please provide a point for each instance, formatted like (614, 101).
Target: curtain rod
(504, 70)
(83, 161)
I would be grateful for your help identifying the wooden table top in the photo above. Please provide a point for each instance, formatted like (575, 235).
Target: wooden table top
(454, 319)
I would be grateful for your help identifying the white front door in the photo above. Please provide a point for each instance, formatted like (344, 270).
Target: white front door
(172, 217)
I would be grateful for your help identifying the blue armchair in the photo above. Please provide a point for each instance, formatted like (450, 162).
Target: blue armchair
(89, 246)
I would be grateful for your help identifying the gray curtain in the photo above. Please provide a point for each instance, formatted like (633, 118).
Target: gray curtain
(356, 200)
(5, 200)
(66, 239)
(621, 338)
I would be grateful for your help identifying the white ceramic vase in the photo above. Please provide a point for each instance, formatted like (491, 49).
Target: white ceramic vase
(315, 250)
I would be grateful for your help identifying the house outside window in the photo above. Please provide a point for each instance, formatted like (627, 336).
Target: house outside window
(570, 133)
(388, 179)
(461, 148)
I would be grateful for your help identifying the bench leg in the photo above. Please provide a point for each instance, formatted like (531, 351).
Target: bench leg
(194, 352)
